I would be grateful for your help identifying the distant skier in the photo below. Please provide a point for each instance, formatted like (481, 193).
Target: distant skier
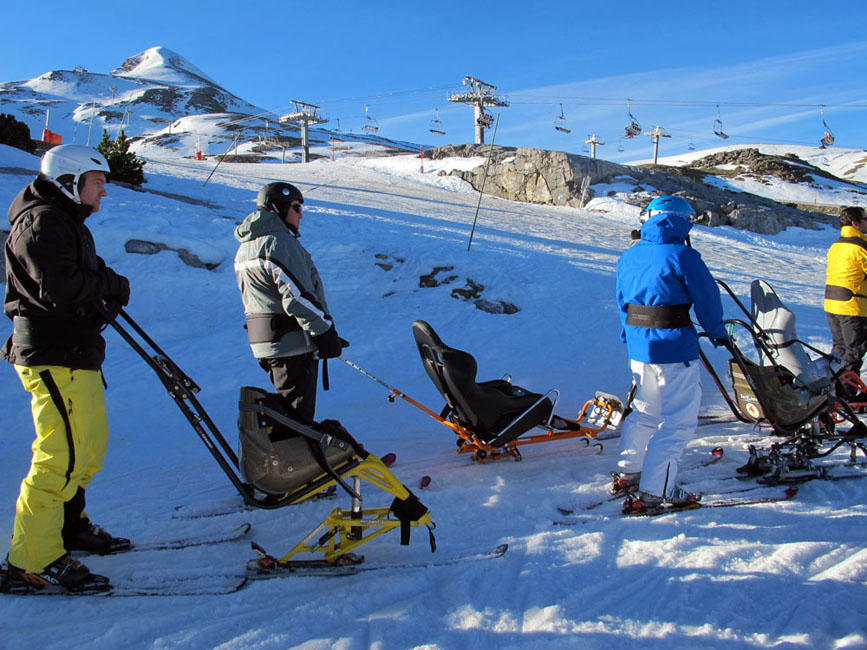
(288, 322)
(659, 279)
(846, 295)
(54, 280)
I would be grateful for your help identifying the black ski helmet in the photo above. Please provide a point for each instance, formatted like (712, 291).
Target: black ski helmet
(277, 197)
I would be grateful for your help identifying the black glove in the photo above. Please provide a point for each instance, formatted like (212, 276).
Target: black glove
(328, 343)
(118, 289)
(112, 308)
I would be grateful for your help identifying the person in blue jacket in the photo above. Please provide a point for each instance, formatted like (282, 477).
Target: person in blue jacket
(659, 279)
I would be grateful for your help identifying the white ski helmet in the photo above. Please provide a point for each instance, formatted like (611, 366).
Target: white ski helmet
(64, 166)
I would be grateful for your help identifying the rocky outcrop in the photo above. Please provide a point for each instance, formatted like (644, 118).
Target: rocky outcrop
(558, 178)
(150, 248)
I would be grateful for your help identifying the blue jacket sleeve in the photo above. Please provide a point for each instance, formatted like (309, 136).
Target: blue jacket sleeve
(704, 293)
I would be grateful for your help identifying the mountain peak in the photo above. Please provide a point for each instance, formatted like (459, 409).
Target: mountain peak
(162, 64)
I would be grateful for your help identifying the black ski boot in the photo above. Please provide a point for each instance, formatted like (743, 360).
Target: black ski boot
(64, 575)
(94, 539)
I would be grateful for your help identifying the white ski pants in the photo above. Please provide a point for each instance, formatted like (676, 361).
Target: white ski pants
(662, 422)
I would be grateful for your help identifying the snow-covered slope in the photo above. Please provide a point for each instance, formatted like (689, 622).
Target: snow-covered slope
(784, 576)
(168, 106)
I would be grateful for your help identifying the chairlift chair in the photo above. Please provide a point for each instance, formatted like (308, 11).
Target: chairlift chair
(717, 126)
(827, 139)
(485, 119)
(370, 124)
(690, 146)
(560, 122)
(633, 128)
(435, 125)
(620, 146)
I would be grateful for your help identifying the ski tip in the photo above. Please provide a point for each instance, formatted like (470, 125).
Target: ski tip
(500, 550)
(244, 528)
(565, 511)
(791, 491)
(388, 459)
(424, 482)
(717, 451)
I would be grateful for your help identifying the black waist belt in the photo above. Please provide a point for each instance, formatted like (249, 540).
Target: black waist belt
(269, 328)
(37, 332)
(658, 316)
(833, 292)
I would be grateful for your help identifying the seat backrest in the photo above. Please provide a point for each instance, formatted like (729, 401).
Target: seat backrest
(486, 409)
(452, 371)
(778, 323)
(430, 348)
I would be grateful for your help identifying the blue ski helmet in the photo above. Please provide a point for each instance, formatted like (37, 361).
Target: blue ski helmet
(670, 204)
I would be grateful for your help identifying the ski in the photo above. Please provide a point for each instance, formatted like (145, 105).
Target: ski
(187, 542)
(208, 585)
(716, 455)
(705, 420)
(720, 502)
(266, 568)
(235, 506)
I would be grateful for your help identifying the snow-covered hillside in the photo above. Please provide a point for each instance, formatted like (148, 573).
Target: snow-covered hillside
(167, 105)
(789, 575)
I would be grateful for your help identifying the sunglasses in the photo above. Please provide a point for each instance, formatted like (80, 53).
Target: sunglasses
(297, 207)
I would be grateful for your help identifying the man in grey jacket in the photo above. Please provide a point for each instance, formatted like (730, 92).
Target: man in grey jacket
(288, 322)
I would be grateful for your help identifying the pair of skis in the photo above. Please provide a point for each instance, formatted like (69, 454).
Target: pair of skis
(758, 496)
(176, 585)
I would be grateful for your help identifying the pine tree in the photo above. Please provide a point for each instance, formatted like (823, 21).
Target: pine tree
(125, 166)
(15, 133)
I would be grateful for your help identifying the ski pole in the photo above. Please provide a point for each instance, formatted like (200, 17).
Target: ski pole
(394, 391)
(484, 180)
(220, 160)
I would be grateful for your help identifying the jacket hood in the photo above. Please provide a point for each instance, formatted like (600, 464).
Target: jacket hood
(42, 192)
(666, 228)
(259, 224)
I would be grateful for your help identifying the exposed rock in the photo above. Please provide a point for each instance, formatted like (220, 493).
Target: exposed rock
(556, 178)
(471, 290)
(151, 248)
(498, 307)
(430, 280)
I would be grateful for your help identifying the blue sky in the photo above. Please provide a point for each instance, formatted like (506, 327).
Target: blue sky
(768, 65)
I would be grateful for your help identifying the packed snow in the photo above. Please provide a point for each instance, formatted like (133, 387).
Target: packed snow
(785, 575)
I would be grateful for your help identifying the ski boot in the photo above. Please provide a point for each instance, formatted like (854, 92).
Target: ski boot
(93, 539)
(624, 482)
(645, 503)
(64, 575)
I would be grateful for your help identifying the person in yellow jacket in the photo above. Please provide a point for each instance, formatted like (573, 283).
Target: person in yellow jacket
(846, 292)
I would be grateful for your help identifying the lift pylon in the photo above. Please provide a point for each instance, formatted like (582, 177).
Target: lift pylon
(479, 95)
(304, 115)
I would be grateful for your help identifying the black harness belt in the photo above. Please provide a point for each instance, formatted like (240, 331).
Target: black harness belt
(833, 292)
(658, 316)
(33, 332)
(268, 328)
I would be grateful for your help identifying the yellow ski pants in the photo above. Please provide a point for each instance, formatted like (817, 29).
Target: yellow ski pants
(71, 438)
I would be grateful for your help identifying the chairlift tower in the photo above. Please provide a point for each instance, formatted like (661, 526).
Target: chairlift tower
(593, 141)
(479, 95)
(304, 115)
(657, 133)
